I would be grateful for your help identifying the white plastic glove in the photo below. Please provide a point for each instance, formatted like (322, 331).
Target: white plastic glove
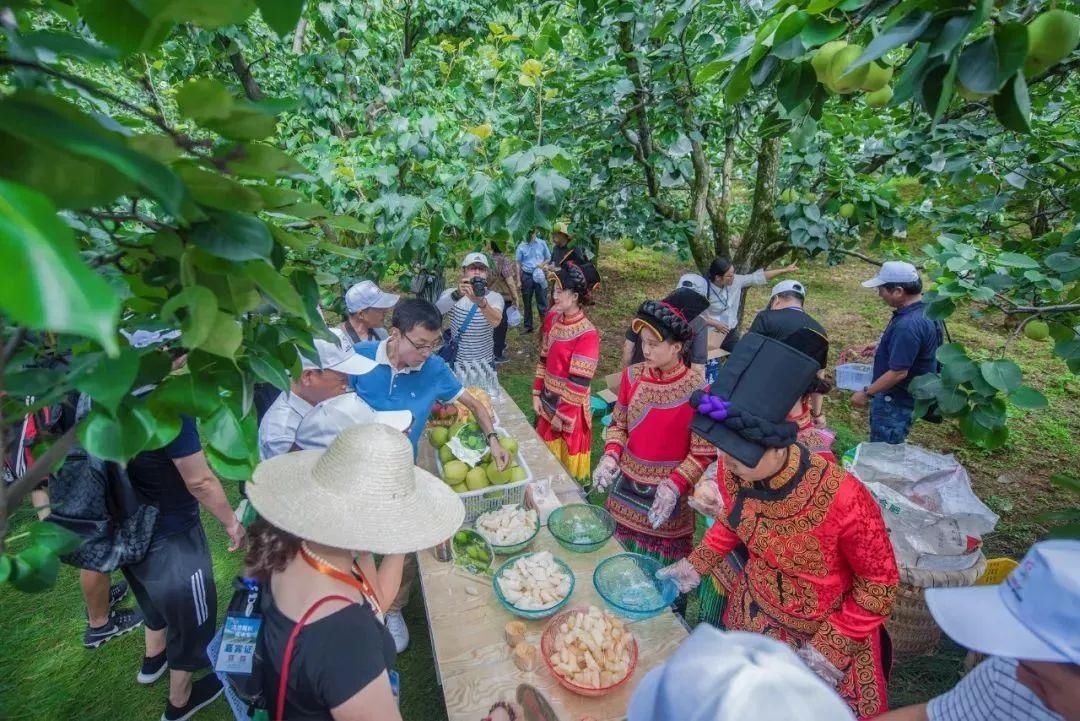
(667, 495)
(682, 573)
(606, 471)
(706, 499)
(820, 665)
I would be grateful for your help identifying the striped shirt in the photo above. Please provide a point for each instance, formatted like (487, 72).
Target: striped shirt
(477, 343)
(990, 693)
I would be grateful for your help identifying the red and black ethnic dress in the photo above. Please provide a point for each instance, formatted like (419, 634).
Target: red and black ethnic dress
(819, 569)
(569, 353)
(650, 437)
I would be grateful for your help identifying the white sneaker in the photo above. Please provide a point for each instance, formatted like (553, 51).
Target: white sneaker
(395, 622)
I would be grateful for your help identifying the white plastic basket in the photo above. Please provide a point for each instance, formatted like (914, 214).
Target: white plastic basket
(854, 376)
(493, 497)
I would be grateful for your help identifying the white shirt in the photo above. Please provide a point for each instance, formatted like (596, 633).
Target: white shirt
(724, 302)
(477, 343)
(277, 431)
(990, 692)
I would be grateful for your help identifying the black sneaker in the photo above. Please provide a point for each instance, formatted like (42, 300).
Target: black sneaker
(203, 692)
(502, 359)
(120, 622)
(152, 668)
(117, 591)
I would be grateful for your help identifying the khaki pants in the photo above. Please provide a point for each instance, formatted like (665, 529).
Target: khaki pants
(408, 576)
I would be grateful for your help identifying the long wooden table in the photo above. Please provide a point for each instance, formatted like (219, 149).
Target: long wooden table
(466, 621)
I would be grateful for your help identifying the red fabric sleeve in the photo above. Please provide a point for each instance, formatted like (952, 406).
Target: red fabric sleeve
(701, 454)
(541, 361)
(618, 432)
(583, 362)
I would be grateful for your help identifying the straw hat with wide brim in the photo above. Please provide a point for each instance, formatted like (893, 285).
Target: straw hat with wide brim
(362, 493)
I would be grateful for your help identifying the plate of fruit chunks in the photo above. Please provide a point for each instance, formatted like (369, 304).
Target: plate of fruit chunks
(464, 459)
(590, 651)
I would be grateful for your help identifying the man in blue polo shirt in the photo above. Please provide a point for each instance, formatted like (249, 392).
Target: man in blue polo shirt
(907, 349)
(409, 376)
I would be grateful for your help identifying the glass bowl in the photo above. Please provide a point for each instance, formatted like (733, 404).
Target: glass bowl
(531, 614)
(547, 650)
(581, 527)
(514, 548)
(627, 582)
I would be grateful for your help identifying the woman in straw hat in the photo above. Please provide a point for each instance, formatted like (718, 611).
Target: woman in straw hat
(323, 515)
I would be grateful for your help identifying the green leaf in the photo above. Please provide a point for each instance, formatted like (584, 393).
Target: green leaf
(5, 568)
(940, 309)
(225, 336)
(233, 236)
(904, 32)
(1001, 374)
(269, 368)
(204, 99)
(202, 308)
(276, 286)
(1012, 49)
(228, 468)
(958, 372)
(1012, 106)
(49, 121)
(245, 122)
(738, 83)
(1016, 260)
(109, 379)
(70, 181)
(159, 147)
(53, 289)
(224, 433)
(796, 83)
(57, 539)
(183, 393)
(987, 64)
(937, 89)
(708, 71)
(274, 197)
(281, 15)
(66, 44)
(952, 401)
(116, 438)
(925, 386)
(819, 31)
(119, 24)
(216, 191)
(790, 26)
(35, 570)
(258, 160)
(912, 74)
(952, 33)
(1066, 481)
(207, 14)
(951, 353)
(1028, 398)
(1062, 262)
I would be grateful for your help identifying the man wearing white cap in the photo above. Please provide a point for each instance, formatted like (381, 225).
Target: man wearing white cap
(327, 378)
(367, 304)
(1030, 626)
(907, 349)
(474, 311)
(734, 676)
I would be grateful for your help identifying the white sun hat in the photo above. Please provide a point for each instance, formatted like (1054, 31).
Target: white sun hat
(362, 493)
(324, 422)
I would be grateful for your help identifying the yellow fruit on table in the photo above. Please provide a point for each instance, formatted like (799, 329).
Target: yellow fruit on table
(510, 445)
(517, 473)
(847, 210)
(1037, 330)
(460, 488)
(476, 479)
(455, 472)
(823, 56)
(1051, 37)
(877, 77)
(879, 98)
(445, 454)
(438, 436)
(497, 477)
(839, 79)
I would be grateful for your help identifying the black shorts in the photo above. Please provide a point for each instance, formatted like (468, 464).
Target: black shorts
(174, 585)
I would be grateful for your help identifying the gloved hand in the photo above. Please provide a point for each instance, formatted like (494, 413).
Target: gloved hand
(682, 573)
(667, 495)
(706, 499)
(820, 665)
(606, 471)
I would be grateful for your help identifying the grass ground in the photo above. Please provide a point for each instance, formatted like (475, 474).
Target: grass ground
(46, 674)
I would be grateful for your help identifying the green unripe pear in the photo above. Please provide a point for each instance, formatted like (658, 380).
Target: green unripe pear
(476, 479)
(823, 56)
(1037, 330)
(877, 77)
(1051, 37)
(879, 98)
(628, 244)
(445, 454)
(439, 436)
(840, 79)
(455, 472)
(847, 210)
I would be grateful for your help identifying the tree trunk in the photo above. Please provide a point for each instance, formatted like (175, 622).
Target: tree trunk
(719, 211)
(761, 230)
(298, 36)
(701, 243)
(242, 69)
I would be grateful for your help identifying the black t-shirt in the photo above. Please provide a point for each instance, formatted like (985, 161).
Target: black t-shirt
(566, 254)
(156, 480)
(786, 322)
(334, 658)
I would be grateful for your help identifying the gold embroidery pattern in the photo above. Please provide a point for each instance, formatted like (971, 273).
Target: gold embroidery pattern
(704, 559)
(873, 596)
(643, 471)
(679, 525)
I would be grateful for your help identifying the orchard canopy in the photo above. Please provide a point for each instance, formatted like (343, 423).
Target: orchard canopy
(227, 167)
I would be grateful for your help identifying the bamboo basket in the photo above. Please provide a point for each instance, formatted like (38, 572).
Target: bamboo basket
(912, 629)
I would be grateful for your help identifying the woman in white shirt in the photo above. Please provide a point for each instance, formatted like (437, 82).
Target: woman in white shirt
(725, 293)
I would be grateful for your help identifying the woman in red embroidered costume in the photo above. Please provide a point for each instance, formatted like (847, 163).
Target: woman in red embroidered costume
(569, 353)
(650, 456)
(800, 546)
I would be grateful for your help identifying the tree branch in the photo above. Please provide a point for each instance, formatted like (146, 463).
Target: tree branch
(241, 68)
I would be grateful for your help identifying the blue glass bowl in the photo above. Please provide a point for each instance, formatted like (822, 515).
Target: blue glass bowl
(528, 613)
(627, 582)
(581, 527)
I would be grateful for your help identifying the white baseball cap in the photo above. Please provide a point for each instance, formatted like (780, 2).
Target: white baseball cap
(475, 258)
(694, 282)
(1033, 615)
(893, 271)
(340, 356)
(324, 422)
(788, 286)
(366, 294)
(733, 676)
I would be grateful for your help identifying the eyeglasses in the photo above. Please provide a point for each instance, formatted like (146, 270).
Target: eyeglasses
(424, 348)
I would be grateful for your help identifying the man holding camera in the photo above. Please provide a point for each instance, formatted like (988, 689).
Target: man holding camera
(473, 311)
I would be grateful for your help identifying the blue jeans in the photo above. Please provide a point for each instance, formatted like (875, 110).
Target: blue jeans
(890, 419)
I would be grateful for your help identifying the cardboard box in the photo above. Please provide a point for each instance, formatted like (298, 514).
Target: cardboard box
(610, 394)
(716, 339)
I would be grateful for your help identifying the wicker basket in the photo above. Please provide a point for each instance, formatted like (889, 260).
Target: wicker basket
(911, 628)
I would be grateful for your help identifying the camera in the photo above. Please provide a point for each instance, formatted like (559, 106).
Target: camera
(479, 287)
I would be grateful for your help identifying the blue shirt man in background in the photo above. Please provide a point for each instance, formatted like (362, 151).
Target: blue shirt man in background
(907, 349)
(532, 254)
